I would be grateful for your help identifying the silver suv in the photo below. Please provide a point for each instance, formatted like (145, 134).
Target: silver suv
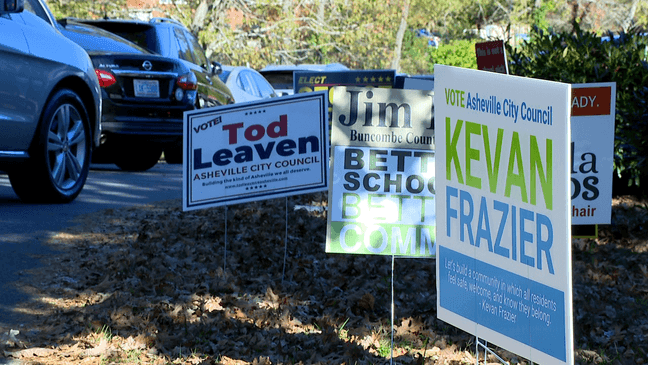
(50, 105)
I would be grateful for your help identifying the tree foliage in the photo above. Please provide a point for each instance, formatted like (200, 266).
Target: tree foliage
(357, 33)
(88, 9)
(460, 53)
(581, 57)
(360, 34)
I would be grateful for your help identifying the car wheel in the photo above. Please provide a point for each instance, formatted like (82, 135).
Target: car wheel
(59, 160)
(173, 154)
(137, 156)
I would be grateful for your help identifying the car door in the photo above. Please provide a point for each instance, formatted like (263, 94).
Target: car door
(211, 90)
(16, 106)
(218, 87)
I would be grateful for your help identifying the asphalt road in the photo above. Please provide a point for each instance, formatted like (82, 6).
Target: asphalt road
(24, 228)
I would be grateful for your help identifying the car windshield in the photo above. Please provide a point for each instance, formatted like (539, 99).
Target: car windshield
(279, 79)
(96, 40)
(141, 34)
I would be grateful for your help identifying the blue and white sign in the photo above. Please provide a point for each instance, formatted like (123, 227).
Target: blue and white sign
(503, 210)
(592, 152)
(257, 150)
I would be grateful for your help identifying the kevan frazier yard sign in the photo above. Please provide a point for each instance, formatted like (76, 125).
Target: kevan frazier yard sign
(252, 151)
(503, 211)
(381, 195)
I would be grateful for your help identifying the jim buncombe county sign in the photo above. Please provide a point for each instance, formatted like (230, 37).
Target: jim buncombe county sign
(381, 198)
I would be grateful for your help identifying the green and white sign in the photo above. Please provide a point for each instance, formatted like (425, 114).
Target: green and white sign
(503, 211)
(381, 194)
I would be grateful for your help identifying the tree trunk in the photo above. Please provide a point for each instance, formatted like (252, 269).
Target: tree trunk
(320, 10)
(288, 6)
(199, 17)
(627, 22)
(399, 36)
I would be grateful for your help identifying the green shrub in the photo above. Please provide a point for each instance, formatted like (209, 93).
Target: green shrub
(581, 57)
(419, 58)
(415, 58)
(460, 53)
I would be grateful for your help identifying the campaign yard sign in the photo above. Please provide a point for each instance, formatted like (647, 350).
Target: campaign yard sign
(592, 152)
(381, 195)
(491, 56)
(307, 81)
(253, 151)
(502, 207)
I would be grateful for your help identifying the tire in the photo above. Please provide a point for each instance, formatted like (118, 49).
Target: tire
(60, 154)
(173, 154)
(101, 154)
(137, 156)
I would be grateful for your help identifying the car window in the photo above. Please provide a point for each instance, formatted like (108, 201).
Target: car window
(197, 50)
(144, 35)
(34, 7)
(264, 86)
(245, 84)
(280, 80)
(184, 52)
(144, 39)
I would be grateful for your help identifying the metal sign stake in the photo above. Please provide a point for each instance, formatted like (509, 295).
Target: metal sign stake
(484, 345)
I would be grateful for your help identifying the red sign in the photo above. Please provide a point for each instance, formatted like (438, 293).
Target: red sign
(491, 56)
(591, 101)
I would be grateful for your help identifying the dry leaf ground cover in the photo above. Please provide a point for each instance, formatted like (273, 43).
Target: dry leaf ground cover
(155, 285)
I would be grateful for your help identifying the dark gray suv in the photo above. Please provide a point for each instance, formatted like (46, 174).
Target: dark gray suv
(50, 105)
(171, 39)
(144, 97)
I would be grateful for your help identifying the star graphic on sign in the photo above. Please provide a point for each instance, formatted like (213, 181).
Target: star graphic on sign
(366, 79)
(388, 79)
(253, 112)
(373, 78)
(380, 79)
(257, 187)
(358, 79)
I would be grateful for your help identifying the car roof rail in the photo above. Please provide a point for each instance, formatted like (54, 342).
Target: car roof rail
(165, 20)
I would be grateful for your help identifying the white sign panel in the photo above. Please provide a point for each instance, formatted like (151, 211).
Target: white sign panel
(502, 207)
(253, 151)
(381, 198)
(592, 152)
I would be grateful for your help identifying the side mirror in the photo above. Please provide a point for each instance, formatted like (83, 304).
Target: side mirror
(216, 68)
(12, 6)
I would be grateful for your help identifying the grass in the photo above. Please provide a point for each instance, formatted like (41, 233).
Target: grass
(105, 333)
(133, 356)
(342, 333)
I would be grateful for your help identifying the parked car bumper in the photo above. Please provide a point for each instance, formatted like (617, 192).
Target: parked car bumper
(152, 120)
